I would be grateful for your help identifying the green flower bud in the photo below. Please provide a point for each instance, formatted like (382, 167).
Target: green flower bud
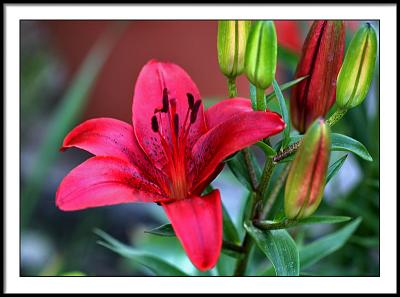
(232, 38)
(357, 71)
(261, 54)
(306, 180)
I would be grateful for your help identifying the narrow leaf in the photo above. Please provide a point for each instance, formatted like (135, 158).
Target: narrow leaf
(163, 230)
(268, 151)
(335, 167)
(152, 262)
(280, 249)
(315, 251)
(284, 112)
(342, 142)
(230, 232)
(284, 87)
(237, 165)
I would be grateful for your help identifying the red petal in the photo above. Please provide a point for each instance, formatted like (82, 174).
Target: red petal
(105, 181)
(229, 137)
(197, 222)
(114, 138)
(153, 78)
(226, 109)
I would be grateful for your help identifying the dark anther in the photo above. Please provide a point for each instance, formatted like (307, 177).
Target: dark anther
(195, 110)
(154, 124)
(190, 100)
(176, 124)
(165, 101)
(158, 203)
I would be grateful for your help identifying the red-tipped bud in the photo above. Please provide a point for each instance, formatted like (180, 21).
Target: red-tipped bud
(321, 59)
(306, 180)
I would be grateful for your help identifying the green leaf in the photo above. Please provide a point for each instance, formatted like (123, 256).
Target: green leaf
(284, 112)
(230, 232)
(64, 118)
(339, 142)
(253, 96)
(284, 87)
(320, 248)
(315, 251)
(323, 220)
(152, 262)
(335, 167)
(163, 230)
(268, 151)
(280, 249)
(73, 273)
(237, 165)
(342, 142)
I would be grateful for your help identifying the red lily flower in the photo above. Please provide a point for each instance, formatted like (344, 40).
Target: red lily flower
(171, 153)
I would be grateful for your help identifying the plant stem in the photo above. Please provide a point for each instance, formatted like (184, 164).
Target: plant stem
(336, 116)
(232, 247)
(232, 89)
(259, 194)
(260, 97)
(250, 168)
(333, 119)
(275, 191)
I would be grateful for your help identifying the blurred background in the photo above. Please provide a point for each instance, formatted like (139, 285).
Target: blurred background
(72, 71)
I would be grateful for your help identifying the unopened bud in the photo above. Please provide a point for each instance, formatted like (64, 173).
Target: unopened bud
(261, 54)
(306, 180)
(232, 38)
(321, 58)
(357, 71)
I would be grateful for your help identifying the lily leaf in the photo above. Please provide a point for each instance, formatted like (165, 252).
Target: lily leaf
(339, 142)
(335, 167)
(152, 262)
(268, 151)
(284, 112)
(342, 142)
(280, 249)
(284, 87)
(315, 251)
(163, 230)
(237, 165)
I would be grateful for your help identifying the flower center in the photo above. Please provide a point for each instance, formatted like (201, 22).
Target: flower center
(173, 137)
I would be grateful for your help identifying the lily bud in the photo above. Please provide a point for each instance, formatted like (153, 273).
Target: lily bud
(356, 74)
(321, 58)
(306, 180)
(261, 54)
(232, 38)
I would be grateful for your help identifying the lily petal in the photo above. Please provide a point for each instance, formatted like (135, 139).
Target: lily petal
(229, 137)
(105, 181)
(226, 109)
(197, 222)
(153, 79)
(114, 138)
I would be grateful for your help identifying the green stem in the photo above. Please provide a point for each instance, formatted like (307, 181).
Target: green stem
(232, 89)
(333, 119)
(250, 168)
(232, 247)
(336, 116)
(275, 191)
(260, 97)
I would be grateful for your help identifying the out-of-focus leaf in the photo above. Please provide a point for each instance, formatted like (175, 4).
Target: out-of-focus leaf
(238, 167)
(342, 142)
(285, 223)
(65, 116)
(335, 167)
(315, 251)
(73, 273)
(288, 57)
(323, 220)
(280, 249)
(152, 262)
(226, 265)
(230, 232)
(284, 113)
(284, 87)
(163, 230)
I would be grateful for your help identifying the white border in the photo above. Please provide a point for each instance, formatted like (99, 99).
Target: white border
(387, 280)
